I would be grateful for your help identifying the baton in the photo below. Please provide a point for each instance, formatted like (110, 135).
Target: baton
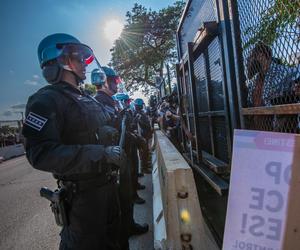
(123, 131)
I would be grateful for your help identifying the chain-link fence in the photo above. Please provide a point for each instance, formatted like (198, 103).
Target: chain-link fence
(270, 36)
(256, 46)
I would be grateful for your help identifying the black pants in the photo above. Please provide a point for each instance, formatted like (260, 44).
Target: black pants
(134, 169)
(125, 193)
(94, 220)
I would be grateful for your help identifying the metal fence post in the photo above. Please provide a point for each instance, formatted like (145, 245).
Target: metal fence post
(194, 100)
(232, 104)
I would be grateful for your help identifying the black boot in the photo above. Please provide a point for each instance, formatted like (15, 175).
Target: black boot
(138, 200)
(140, 186)
(137, 229)
(140, 175)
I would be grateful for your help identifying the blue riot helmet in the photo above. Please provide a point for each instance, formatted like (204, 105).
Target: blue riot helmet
(109, 72)
(98, 77)
(138, 103)
(95, 74)
(57, 52)
(123, 99)
(51, 47)
(113, 79)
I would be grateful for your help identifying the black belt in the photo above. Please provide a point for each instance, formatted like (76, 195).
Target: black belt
(84, 185)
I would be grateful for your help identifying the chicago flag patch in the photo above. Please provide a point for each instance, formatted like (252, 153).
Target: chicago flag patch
(35, 121)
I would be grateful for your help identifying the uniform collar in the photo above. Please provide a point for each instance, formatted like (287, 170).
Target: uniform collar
(105, 98)
(70, 87)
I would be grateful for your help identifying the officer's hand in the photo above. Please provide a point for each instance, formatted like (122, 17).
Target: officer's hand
(114, 156)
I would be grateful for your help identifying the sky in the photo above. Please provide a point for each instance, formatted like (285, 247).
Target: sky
(24, 23)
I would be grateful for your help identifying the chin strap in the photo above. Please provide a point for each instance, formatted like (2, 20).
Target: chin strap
(79, 81)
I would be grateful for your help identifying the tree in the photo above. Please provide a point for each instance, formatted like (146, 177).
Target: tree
(146, 44)
(280, 16)
(90, 88)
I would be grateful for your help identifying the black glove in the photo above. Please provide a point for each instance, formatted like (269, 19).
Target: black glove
(114, 155)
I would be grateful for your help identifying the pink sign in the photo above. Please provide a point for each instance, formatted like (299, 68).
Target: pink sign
(259, 186)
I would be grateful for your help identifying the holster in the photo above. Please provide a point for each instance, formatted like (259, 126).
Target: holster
(58, 199)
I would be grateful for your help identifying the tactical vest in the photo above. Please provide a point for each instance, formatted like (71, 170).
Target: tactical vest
(83, 117)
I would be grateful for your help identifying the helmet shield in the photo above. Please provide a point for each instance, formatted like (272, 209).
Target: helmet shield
(94, 73)
(98, 77)
(50, 47)
(79, 52)
(85, 58)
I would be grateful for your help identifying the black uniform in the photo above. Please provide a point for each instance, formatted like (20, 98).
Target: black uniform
(62, 136)
(125, 189)
(142, 123)
(109, 105)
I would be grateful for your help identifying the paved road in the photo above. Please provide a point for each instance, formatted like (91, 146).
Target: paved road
(26, 221)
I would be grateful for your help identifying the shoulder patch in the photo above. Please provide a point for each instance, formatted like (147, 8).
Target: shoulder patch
(35, 121)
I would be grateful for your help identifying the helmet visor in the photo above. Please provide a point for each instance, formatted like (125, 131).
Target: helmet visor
(97, 75)
(81, 56)
(79, 52)
(92, 71)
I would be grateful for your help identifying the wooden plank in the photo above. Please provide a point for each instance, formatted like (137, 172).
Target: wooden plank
(287, 109)
(216, 182)
(173, 216)
(179, 194)
(215, 164)
(212, 113)
(205, 35)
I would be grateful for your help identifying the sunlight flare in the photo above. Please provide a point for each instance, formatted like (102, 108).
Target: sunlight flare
(112, 29)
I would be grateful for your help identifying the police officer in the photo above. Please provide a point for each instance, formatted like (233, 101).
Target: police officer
(145, 130)
(106, 89)
(134, 141)
(62, 131)
(104, 95)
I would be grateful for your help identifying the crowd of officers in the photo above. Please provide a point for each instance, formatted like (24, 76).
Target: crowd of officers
(91, 145)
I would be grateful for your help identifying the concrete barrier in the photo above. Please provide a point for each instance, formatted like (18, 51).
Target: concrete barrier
(180, 208)
(12, 151)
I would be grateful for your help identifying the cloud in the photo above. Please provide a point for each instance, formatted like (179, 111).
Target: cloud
(7, 113)
(19, 106)
(31, 82)
(34, 81)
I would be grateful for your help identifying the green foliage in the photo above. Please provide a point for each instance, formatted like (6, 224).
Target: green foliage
(90, 88)
(147, 42)
(274, 21)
